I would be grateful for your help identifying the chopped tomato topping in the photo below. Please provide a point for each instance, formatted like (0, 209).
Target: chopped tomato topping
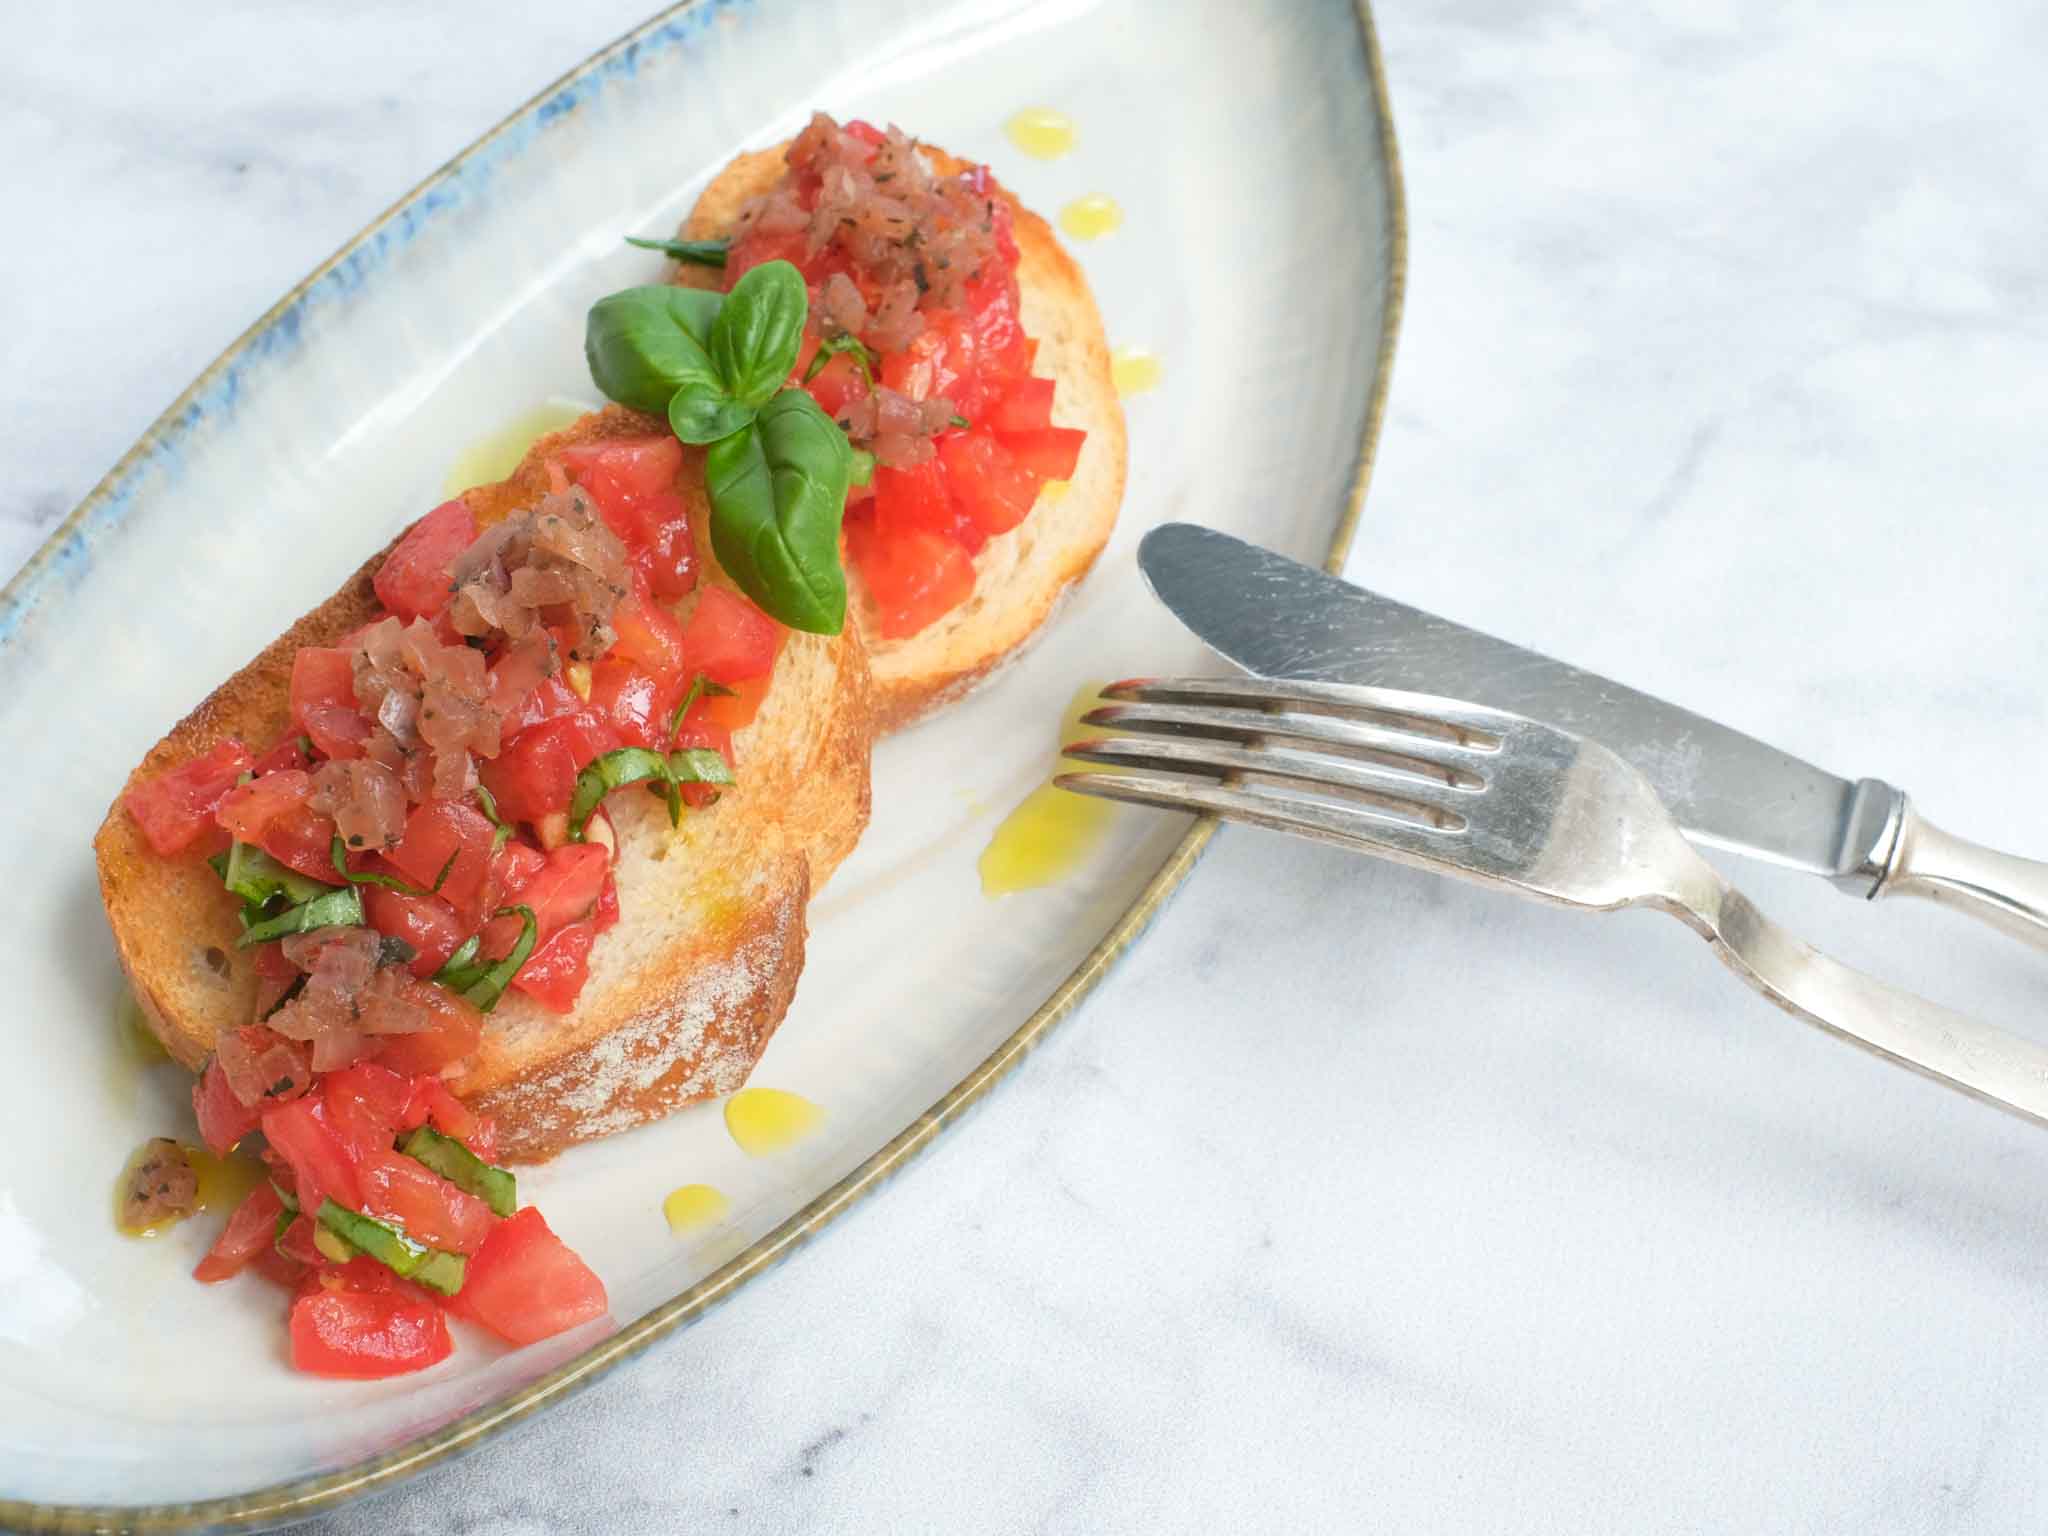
(914, 578)
(249, 808)
(633, 702)
(366, 1334)
(633, 483)
(323, 701)
(175, 806)
(986, 482)
(1047, 453)
(728, 639)
(917, 500)
(701, 731)
(301, 839)
(302, 1134)
(565, 889)
(429, 924)
(456, 1031)
(1024, 407)
(250, 1231)
(223, 1119)
(422, 1204)
(525, 1284)
(367, 1105)
(536, 772)
(650, 636)
(290, 752)
(556, 971)
(413, 580)
(436, 832)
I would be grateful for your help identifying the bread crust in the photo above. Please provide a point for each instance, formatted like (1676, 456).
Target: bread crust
(1023, 575)
(685, 991)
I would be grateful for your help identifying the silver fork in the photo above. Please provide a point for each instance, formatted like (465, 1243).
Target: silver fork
(1503, 801)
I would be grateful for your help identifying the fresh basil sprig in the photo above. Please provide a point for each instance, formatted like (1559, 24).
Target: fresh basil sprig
(778, 468)
(644, 344)
(702, 253)
(778, 493)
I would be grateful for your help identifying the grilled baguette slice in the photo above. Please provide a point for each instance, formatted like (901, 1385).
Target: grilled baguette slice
(1020, 576)
(684, 992)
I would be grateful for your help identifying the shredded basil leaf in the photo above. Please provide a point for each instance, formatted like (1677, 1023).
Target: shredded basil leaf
(259, 879)
(495, 1186)
(960, 421)
(332, 909)
(338, 852)
(852, 346)
(485, 991)
(703, 253)
(700, 687)
(607, 772)
(488, 802)
(460, 969)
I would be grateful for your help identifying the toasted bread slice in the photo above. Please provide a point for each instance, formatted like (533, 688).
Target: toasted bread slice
(683, 993)
(1020, 576)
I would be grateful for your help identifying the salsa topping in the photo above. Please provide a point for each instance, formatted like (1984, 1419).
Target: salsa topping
(428, 834)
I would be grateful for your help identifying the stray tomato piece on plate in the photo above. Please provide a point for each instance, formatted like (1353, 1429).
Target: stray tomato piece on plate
(525, 1284)
(175, 806)
(363, 1335)
(250, 1231)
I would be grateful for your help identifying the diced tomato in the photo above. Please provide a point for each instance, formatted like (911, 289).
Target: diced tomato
(650, 636)
(248, 808)
(249, 1231)
(567, 887)
(987, 483)
(223, 1119)
(754, 249)
(633, 482)
(999, 350)
(363, 1335)
(289, 753)
(917, 500)
(297, 1243)
(435, 832)
(913, 578)
(413, 580)
(450, 1116)
(549, 700)
(1050, 453)
(177, 805)
(512, 867)
(701, 731)
(636, 705)
(536, 772)
(301, 1133)
(323, 700)
(278, 1267)
(425, 1206)
(730, 712)
(525, 1284)
(301, 839)
(1024, 407)
(556, 971)
(728, 639)
(429, 924)
(457, 1031)
(367, 1105)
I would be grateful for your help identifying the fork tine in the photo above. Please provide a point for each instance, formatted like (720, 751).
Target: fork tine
(1398, 794)
(1406, 842)
(1419, 757)
(1420, 713)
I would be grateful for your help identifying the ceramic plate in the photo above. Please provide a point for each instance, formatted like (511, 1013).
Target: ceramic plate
(1247, 143)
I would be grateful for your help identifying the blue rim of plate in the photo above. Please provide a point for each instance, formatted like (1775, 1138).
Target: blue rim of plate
(62, 557)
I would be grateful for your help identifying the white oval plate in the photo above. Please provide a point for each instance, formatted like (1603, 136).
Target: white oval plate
(1260, 258)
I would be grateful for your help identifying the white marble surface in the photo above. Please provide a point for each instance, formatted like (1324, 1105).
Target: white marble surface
(1337, 1208)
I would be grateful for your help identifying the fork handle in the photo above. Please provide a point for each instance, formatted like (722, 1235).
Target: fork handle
(1997, 888)
(2005, 1069)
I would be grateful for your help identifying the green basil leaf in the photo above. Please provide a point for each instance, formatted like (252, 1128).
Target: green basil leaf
(699, 765)
(702, 253)
(332, 909)
(257, 878)
(497, 1187)
(703, 413)
(488, 802)
(338, 852)
(485, 991)
(607, 772)
(778, 494)
(461, 969)
(853, 347)
(643, 344)
(755, 339)
(700, 687)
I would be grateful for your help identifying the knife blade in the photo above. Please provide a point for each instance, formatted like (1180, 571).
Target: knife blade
(1278, 618)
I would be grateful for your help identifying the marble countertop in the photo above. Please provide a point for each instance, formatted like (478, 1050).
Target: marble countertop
(1399, 1246)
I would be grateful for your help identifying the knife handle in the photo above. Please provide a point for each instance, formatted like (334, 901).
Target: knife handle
(1997, 888)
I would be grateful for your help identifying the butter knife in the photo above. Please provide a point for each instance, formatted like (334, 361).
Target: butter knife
(1278, 618)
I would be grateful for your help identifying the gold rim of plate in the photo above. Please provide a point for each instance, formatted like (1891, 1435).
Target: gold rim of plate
(301, 1499)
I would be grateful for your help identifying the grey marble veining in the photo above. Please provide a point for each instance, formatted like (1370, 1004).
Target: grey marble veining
(1330, 1211)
